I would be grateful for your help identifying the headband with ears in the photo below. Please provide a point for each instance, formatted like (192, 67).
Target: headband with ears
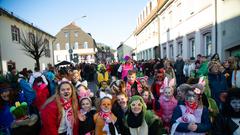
(63, 81)
(167, 83)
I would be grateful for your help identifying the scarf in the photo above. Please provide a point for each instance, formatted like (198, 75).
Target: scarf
(108, 126)
(191, 107)
(134, 121)
(67, 106)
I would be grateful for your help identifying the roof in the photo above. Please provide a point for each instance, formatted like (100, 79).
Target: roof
(11, 15)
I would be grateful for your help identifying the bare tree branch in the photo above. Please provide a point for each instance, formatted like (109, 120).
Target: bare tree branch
(33, 45)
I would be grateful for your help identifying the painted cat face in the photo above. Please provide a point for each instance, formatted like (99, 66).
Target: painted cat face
(106, 105)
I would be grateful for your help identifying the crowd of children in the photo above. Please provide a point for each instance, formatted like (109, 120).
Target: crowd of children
(59, 102)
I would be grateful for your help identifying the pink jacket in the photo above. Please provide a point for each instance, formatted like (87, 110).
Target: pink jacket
(125, 69)
(167, 107)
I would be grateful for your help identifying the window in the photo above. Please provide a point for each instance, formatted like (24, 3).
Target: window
(192, 47)
(164, 51)
(85, 45)
(208, 43)
(76, 45)
(31, 37)
(67, 36)
(76, 34)
(180, 48)
(146, 54)
(67, 47)
(171, 51)
(15, 34)
(57, 46)
(47, 48)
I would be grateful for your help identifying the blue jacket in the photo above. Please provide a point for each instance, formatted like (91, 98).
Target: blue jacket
(6, 117)
(217, 85)
(29, 93)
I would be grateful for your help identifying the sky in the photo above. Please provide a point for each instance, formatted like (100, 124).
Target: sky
(109, 21)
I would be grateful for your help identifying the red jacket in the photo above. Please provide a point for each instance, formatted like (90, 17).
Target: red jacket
(42, 94)
(51, 120)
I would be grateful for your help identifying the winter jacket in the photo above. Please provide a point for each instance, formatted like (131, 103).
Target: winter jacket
(36, 75)
(51, 120)
(29, 93)
(224, 126)
(202, 127)
(42, 95)
(217, 84)
(203, 69)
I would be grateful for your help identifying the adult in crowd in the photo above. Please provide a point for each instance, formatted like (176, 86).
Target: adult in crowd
(124, 68)
(179, 70)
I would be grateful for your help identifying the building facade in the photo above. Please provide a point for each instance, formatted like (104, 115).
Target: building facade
(73, 44)
(167, 28)
(11, 54)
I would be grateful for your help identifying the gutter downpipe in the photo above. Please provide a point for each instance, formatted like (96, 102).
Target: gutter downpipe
(216, 28)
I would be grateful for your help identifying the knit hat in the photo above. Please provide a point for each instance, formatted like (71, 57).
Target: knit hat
(126, 58)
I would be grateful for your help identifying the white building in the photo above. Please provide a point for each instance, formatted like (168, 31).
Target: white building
(11, 53)
(167, 28)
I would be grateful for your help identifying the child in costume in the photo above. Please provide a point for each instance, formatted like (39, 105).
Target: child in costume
(120, 110)
(85, 116)
(167, 102)
(228, 122)
(102, 74)
(83, 91)
(133, 86)
(59, 113)
(42, 92)
(104, 120)
(148, 98)
(155, 88)
(192, 117)
(140, 120)
(24, 123)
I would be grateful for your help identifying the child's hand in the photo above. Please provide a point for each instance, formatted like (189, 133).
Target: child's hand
(192, 127)
(81, 116)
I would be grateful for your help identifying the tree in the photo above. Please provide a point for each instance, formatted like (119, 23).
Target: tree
(34, 45)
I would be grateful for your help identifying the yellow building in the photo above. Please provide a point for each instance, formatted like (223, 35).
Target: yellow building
(73, 43)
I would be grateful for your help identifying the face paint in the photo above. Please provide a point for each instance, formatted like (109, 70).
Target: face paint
(235, 103)
(106, 105)
(65, 91)
(168, 92)
(131, 78)
(136, 107)
(191, 100)
(122, 101)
